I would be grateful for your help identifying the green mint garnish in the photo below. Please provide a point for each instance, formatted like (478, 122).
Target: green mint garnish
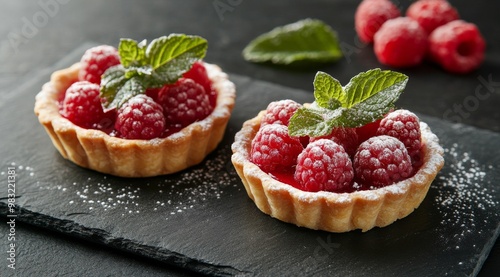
(144, 66)
(302, 42)
(366, 98)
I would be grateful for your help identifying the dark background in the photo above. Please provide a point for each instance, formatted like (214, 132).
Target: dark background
(36, 34)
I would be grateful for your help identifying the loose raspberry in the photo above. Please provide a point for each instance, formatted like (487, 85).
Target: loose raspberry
(140, 118)
(370, 15)
(400, 42)
(324, 165)
(405, 126)
(380, 161)
(198, 73)
(346, 137)
(82, 104)
(95, 61)
(280, 112)
(273, 149)
(457, 46)
(184, 102)
(431, 14)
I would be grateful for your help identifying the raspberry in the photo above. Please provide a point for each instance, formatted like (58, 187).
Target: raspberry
(273, 149)
(198, 73)
(280, 112)
(403, 125)
(95, 61)
(457, 46)
(82, 104)
(346, 137)
(400, 42)
(370, 15)
(431, 14)
(324, 165)
(184, 102)
(140, 118)
(381, 161)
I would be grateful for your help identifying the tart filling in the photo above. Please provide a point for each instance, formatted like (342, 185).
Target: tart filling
(97, 150)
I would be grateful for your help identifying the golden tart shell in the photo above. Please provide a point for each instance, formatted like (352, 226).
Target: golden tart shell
(99, 151)
(329, 211)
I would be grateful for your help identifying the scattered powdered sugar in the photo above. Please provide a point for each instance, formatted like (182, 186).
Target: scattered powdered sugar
(19, 169)
(463, 192)
(167, 196)
(211, 181)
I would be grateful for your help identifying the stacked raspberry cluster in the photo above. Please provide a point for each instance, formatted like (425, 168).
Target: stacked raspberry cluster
(431, 29)
(156, 113)
(349, 159)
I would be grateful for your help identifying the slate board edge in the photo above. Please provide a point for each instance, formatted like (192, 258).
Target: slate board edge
(101, 237)
(486, 251)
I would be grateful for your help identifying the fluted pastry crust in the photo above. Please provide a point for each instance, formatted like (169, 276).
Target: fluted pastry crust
(99, 151)
(329, 211)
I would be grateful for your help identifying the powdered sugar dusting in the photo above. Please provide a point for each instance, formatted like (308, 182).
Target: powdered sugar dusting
(463, 192)
(20, 169)
(167, 196)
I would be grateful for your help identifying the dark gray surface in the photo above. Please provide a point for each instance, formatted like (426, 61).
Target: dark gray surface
(201, 219)
(75, 22)
(42, 252)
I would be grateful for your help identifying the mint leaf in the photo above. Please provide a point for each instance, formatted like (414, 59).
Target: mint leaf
(119, 89)
(144, 66)
(328, 91)
(305, 41)
(176, 49)
(131, 53)
(372, 82)
(366, 98)
(111, 81)
(130, 88)
(309, 122)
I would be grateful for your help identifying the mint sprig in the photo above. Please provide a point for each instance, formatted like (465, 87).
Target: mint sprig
(366, 98)
(308, 41)
(163, 61)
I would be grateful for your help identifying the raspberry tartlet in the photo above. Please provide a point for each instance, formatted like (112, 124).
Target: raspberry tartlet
(329, 188)
(124, 125)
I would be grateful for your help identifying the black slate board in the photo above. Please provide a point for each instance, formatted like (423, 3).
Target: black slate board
(202, 220)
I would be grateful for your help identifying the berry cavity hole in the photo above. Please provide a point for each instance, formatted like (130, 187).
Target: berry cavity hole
(466, 48)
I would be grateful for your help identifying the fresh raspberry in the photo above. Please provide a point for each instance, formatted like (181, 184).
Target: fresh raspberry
(457, 46)
(95, 61)
(140, 118)
(184, 102)
(405, 126)
(82, 104)
(431, 14)
(324, 165)
(198, 73)
(381, 160)
(370, 15)
(273, 149)
(346, 137)
(280, 112)
(400, 42)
